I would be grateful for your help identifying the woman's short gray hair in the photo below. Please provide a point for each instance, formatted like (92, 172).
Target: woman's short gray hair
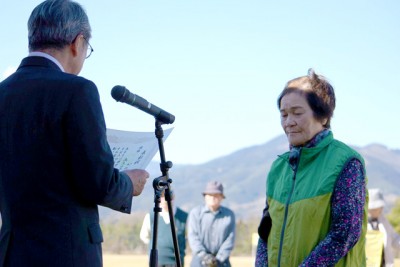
(57, 23)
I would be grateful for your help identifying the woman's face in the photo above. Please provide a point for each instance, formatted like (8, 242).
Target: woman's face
(297, 119)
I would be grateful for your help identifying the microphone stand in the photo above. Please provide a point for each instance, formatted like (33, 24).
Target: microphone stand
(159, 184)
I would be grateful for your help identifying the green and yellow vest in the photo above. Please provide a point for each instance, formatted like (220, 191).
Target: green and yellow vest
(300, 204)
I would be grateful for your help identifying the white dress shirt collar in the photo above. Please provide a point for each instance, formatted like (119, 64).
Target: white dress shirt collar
(41, 54)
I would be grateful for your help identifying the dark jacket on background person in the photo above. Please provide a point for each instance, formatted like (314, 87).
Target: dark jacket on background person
(165, 245)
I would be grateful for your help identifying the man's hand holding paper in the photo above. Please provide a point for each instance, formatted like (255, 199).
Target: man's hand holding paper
(138, 178)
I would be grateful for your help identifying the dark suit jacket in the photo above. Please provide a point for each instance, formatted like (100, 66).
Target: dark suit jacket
(55, 168)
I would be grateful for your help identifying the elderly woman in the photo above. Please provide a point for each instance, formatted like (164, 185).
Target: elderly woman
(316, 212)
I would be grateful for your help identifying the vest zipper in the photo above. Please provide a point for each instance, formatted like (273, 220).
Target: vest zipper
(287, 211)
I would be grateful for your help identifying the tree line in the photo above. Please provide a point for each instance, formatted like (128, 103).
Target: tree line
(122, 236)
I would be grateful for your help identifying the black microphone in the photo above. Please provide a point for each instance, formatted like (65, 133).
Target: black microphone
(121, 94)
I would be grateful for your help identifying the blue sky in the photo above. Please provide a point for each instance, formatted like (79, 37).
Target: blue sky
(219, 65)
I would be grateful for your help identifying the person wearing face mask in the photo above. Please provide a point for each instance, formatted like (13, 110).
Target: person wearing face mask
(316, 201)
(211, 229)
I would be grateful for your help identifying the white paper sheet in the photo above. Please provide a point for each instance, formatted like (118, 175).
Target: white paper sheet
(133, 150)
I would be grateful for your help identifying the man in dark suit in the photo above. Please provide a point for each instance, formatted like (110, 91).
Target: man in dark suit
(55, 163)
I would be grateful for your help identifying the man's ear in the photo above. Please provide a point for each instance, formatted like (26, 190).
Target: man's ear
(74, 46)
(73, 49)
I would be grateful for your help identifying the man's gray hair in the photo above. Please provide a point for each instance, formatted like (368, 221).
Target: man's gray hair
(57, 23)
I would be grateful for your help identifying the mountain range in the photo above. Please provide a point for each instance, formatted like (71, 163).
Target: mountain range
(243, 174)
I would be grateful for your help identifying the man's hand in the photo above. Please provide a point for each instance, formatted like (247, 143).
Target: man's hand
(138, 178)
(209, 260)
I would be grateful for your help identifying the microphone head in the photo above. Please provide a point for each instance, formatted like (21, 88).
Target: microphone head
(118, 92)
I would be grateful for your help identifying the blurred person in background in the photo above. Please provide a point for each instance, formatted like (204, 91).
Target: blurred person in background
(316, 209)
(211, 229)
(382, 239)
(165, 245)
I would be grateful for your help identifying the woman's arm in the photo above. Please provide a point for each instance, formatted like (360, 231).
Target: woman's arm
(347, 208)
(261, 254)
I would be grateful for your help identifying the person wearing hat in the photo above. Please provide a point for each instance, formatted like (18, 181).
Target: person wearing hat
(165, 244)
(382, 240)
(211, 229)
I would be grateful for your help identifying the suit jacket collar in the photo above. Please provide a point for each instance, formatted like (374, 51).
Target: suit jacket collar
(37, 61)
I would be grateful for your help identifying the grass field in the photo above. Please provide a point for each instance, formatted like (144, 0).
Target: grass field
(142, 261)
